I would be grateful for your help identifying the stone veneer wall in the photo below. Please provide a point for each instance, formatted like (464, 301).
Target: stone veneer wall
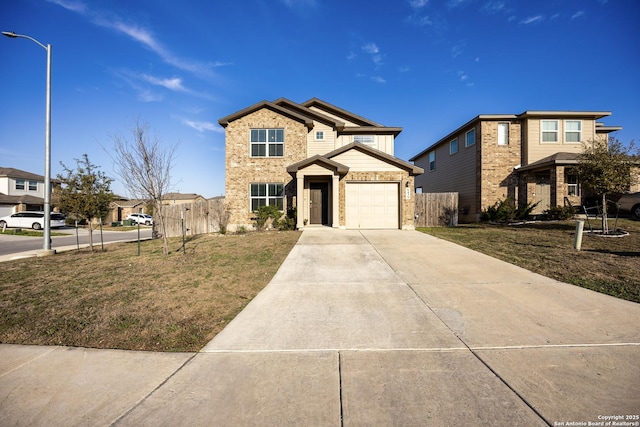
(407, 207)
(497, 162)
(242, 169)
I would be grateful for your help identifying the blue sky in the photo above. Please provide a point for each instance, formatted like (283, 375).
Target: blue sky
(425, 65)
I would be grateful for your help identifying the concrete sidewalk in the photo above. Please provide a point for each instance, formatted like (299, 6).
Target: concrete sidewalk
(361, 328)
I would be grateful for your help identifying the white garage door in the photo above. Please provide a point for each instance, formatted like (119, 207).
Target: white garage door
(372, 205)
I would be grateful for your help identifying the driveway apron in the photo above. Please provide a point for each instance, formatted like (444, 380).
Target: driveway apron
(377, 327)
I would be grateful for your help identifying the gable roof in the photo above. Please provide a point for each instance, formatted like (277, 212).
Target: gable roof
(17, 173)
(304, 114)
(541, 114)
(181, 196)
(322, 160)
(381, 155)
(558, 159)
(224, 122)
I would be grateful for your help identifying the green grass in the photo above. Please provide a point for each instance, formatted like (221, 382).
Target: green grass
(605, 264)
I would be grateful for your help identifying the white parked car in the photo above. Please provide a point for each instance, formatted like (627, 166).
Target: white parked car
(140, 218)
(31, 219)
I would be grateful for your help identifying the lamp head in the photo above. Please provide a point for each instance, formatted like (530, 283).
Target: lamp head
(10, 34)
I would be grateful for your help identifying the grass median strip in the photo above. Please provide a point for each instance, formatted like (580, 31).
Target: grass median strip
(608, 265)
(116, 299)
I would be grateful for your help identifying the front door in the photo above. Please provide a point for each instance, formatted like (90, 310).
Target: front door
(542, 195)
(318, 203)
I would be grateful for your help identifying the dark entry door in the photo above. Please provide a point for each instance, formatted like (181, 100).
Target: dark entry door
(318, 203)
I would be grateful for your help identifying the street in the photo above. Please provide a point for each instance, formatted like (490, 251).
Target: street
(12, 245)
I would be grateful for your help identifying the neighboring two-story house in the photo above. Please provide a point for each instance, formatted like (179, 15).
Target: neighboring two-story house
(21, 191)
(527, 157)
(334, 167)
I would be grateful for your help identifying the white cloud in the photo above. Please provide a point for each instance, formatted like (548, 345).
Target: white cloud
(418, 4)
(174, 83)
(370, 48)
(73, 5)
(532, 19)
(463, 76)
(203, 126)
(494, 6)
(578, 14)
(378, 79)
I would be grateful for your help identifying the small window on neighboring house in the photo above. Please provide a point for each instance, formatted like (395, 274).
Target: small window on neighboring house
(267, 194)
(20, 183)
(432, 160)
(572, 131)
(503, 133)
(470, 138)
(365, 139)
(33, 185)
(573, 189)
(453, 146)
(549, 130)
(267, 142)
(319, 135)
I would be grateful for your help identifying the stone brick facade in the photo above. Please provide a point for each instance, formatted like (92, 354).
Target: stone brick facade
(242, 169)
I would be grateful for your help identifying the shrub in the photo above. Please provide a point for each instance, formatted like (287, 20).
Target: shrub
(507, 211)
(264, 214)
(559, 213)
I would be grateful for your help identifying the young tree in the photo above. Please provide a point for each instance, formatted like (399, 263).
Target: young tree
(605, 168)
(85, 193)
(144, 167)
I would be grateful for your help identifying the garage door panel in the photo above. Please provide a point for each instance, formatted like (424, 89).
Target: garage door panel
(372, 205)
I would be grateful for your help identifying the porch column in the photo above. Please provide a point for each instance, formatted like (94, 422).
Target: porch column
(335, 205)
(299, 201)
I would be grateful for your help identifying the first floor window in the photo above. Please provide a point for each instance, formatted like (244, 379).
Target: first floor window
(549, 131)
(20, 183)
(573, 188)
(432, 160)
(267, 194)
(470, 138)
(572, 131)
(503, 133)
(267, 142)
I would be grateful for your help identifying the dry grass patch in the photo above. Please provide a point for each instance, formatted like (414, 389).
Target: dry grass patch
(116, 299)
(605, 264)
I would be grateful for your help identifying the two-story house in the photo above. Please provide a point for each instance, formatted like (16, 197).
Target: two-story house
(21, 191)
(334, 167)
(527, 157)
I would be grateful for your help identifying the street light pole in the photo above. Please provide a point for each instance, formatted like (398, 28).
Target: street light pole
(47, 145)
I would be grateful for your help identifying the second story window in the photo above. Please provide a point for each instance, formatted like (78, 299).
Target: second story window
(503, 133)
(365, 139)
(267, 142)
(453, 146)
(20, 183)
(549, 130)
(432, 160)
(319, 135)
(33, 185)
(470, 138)
(572, 131)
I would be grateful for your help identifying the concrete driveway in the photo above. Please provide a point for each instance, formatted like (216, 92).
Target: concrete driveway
(364, 328)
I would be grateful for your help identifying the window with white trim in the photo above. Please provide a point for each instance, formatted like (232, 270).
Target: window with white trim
(365, 139)
(319, 135)
(432, 160)
(573, 189)
(573, 130)
(453, 146)
(20, 184)
(267, 142)
(549, 130)
(33, 185)
(503, 133)
(470, 138)
(267, 194)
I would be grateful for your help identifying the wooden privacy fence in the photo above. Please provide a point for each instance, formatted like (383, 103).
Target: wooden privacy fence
(199, 218)
(436, 210)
